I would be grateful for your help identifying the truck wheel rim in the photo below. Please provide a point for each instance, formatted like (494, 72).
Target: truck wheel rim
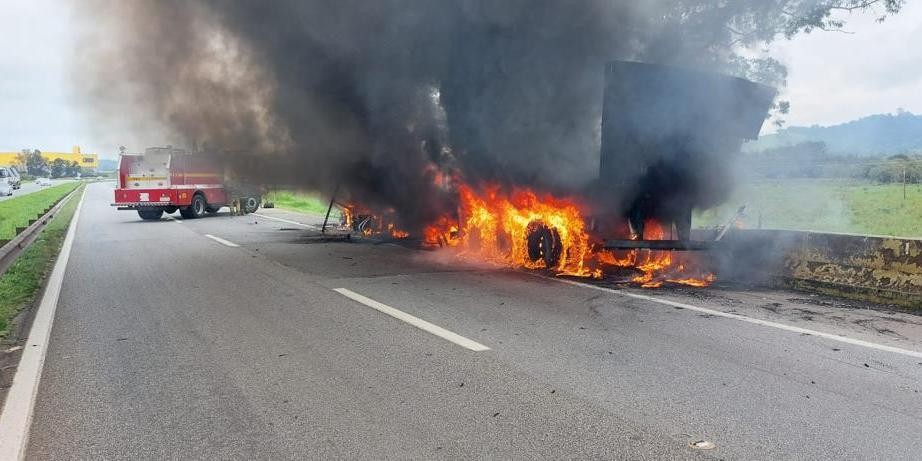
(199, 207)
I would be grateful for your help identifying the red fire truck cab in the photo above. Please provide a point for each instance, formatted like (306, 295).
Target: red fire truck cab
(166, 180)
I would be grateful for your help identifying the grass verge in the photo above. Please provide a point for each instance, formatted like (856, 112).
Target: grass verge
(825, 205)
(828, 205)
(300, 201)
(16, 212)
(23, 279)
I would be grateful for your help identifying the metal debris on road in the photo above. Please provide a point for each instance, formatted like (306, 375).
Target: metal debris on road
(703, 445)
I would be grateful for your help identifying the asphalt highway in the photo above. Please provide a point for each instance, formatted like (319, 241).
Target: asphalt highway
(30, 187)
(249, 338)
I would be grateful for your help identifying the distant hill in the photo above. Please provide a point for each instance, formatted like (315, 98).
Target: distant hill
(881, 134)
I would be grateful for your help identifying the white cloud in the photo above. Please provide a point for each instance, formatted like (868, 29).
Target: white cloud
(836, 77)
(38, 110)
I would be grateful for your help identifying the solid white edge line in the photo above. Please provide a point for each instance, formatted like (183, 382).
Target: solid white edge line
(743, 318)
(16, 418)
(222, 241)
(309, 226)
(415, 321)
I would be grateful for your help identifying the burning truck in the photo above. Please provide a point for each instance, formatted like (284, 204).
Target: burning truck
(667, 133)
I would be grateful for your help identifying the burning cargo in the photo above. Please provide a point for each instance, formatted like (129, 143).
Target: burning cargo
(667, 137)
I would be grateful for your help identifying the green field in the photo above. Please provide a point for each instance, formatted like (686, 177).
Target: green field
(303, 202)
(831, 205)
(17, 211)
(24, 278)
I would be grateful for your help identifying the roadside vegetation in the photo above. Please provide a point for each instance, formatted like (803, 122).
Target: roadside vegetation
(23, 279)
(17, 211)
(830, 205)
(300, 201)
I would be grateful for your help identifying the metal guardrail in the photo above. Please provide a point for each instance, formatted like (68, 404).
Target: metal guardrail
(11, 250)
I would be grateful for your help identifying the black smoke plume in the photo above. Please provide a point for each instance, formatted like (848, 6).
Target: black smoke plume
(380, 96)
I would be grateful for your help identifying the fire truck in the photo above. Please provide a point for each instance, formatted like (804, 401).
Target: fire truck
(166, 180)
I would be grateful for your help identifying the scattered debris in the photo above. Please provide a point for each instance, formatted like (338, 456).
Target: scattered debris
(703, 445)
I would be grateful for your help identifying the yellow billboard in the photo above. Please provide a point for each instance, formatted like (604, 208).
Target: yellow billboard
(86, 161)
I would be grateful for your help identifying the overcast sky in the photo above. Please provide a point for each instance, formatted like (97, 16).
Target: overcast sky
(836, 77)
(833, 77)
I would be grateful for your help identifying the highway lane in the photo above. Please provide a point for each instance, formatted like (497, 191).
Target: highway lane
(168, 343)
(30, 187)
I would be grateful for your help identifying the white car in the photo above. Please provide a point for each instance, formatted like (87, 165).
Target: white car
(10, 177)
(42, 181)
(5, 188)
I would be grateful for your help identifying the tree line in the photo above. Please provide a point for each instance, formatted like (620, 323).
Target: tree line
(36, 165)
(811, 160)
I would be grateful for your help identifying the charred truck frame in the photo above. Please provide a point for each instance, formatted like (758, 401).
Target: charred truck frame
(668, 135)
(675, 130)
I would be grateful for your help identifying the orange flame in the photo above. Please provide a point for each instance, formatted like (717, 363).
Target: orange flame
(360, 219)
(495, 226)
(397, 233)
(656, 266)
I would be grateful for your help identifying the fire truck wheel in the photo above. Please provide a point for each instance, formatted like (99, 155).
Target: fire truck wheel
(150, 215)
(251, 204)
(196, 209)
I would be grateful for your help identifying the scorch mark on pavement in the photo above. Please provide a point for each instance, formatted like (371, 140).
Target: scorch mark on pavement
(415, 321)
(743, 318)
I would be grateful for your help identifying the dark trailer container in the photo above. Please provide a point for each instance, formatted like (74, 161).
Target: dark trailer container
(668, 138)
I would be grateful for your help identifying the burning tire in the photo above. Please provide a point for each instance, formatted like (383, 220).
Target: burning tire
(543, 244)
